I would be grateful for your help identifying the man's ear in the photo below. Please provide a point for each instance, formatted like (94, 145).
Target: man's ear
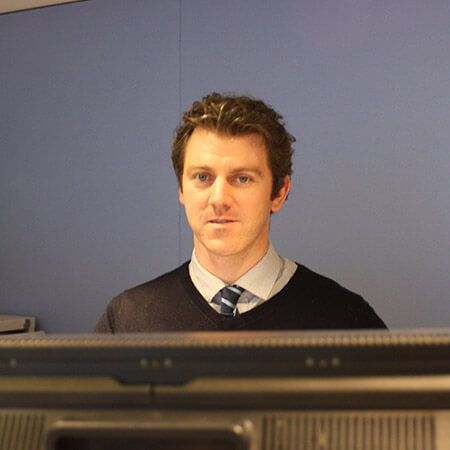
(180, 195)
(280, 198)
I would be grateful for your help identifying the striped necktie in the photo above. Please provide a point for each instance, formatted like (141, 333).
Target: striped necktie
(229, 297)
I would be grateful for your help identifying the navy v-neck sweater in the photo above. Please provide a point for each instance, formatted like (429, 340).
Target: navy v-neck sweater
(172, 303)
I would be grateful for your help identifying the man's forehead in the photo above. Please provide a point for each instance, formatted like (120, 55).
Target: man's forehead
(212, 151)
(210, 144)
(211, 133)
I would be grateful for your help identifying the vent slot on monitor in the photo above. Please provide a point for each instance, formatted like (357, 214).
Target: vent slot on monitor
(349, 431)
(21, 431)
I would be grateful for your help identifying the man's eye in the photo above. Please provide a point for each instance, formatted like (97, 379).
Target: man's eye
(201, 177)
(243, 179)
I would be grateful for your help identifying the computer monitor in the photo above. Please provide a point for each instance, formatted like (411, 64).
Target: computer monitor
(227, 390)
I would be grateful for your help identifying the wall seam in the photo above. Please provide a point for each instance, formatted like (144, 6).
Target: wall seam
(180, 72)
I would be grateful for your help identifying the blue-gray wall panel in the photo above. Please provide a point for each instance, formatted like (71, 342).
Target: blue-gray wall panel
(89, 98)
(364, 86)
(90, 94)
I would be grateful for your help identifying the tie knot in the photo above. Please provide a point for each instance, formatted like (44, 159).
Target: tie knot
(229, 297)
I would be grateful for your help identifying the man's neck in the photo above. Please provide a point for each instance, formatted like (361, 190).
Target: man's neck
(228, 268)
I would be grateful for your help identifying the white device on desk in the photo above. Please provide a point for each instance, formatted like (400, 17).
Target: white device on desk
(16, 324)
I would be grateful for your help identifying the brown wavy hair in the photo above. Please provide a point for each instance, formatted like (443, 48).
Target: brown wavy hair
(238, 116)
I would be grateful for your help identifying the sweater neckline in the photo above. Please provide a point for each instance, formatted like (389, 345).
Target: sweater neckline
(243, 319)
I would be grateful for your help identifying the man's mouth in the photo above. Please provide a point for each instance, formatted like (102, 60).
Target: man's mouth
(221, 221)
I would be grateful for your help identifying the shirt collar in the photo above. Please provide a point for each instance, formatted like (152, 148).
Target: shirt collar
(259, 280)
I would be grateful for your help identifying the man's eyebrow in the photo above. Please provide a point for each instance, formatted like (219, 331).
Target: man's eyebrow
(193, 167)
(255, 170)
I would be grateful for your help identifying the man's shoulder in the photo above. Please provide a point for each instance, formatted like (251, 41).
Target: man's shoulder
(309, 278)
(332, 299)
(157, 286)
(162, 287)
(138, 308)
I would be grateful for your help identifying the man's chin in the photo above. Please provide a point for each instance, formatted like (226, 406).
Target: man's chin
(221, 248)
(225, 251)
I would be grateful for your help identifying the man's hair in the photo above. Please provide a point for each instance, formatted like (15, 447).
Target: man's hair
(237, 116)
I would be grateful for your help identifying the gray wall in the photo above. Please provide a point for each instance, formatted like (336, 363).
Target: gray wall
(90, 94)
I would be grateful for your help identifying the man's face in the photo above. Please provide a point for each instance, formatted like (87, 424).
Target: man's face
(226, 191)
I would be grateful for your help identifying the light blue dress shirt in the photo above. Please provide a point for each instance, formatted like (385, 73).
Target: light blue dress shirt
(264, 280)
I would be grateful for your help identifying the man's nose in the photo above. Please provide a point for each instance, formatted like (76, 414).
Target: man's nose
(220, 195)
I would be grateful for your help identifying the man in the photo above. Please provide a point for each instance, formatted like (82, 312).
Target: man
(232, 157)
